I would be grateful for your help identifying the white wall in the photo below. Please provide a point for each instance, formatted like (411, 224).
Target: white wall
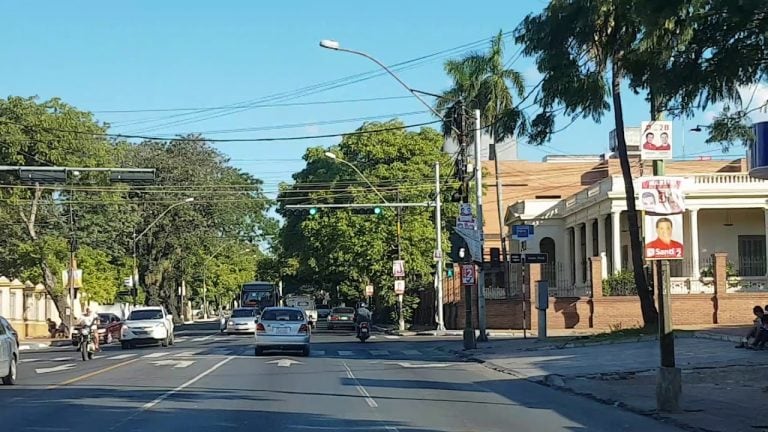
(715, 237)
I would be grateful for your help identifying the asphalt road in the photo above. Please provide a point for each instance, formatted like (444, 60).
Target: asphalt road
(212, 382)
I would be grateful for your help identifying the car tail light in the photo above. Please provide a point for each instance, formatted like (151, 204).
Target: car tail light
(260, 328)
(303, 328)
(334, 318)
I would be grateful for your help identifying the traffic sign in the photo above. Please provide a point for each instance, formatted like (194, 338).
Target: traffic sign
(399, 287)
(468, 274)
(522, 232)
(516, 258)
(465, 212)
(437, 255)
(536, 258)
(398, 268)
(369, 290)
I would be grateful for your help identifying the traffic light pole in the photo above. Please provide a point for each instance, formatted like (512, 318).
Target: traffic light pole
(483, 337)
(439, 250)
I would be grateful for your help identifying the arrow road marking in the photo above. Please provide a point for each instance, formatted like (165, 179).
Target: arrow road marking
(175, 363)
(200, 339)
(164, 396)
(57, 359)
(425, 365)
(55, 369)
(284, 362)
(121, 356)
(156, 355)
(186, 354)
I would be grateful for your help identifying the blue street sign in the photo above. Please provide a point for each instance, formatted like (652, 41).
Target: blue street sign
(522, 231)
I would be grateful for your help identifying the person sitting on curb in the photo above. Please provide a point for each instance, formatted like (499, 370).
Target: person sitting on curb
(762, 334)
(755, 330)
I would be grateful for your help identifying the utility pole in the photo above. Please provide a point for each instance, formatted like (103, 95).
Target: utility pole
(71, 272)
(469, 332)
(401, 318)
(483, 337)
(669, 379)
(135, 275)
(439, 250)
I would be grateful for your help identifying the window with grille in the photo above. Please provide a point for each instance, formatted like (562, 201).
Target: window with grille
(751, 255)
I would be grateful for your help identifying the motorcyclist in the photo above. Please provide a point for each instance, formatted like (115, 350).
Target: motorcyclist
(86, 321)
(362, 314)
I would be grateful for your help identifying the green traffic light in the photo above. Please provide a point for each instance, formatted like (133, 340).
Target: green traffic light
(312, 211)
(377, 210)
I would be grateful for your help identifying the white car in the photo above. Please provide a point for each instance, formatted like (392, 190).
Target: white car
(147, 325)
(282, 328)
(242, 320)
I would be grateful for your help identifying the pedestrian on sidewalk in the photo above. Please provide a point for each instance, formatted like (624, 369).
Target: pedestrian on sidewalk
(755, 330)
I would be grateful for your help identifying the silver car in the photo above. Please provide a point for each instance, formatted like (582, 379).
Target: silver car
(9, 356)
(282, 328)
(242, 320)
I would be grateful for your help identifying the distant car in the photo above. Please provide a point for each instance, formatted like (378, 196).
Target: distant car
(341, 317)
(323, 311)
(147, 325)
(282, 328)
(9, 354)
(242, 320)
(109, 329)
(9, 328)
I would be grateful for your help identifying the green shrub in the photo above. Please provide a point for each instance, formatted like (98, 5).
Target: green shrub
(620, 284)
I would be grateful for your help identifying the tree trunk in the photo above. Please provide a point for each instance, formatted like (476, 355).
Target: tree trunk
(647, 307)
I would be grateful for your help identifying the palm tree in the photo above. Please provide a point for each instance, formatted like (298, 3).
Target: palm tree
(482, 81)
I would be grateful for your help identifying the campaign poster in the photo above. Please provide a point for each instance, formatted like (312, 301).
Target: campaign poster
(662, 195)
(655, 140)
(663, 237)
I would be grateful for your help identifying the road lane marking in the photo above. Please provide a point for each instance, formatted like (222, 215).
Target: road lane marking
(391, 337)
(170, 393)
(175, 363)
(418, 365)
(57, 359)
(346, 353)
(179, 339)
(29, 360)
(91, 374)
(379, 352)
(412, 352)
(200, 339)
(55, 368)
(155, 355)
(368, 399)
(121, 356)
(186, 354)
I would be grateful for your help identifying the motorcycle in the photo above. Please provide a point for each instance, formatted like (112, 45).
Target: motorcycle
(364, 332)
(86, 346)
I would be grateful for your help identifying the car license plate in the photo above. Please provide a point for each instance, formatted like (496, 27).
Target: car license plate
(283, 330)
(345, 318)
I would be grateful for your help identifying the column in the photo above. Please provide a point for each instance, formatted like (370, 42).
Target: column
(589, 249)
(616, 240)
(694, 214)
(566, 251)
(578, 256)
(765, 213)
(601, 246)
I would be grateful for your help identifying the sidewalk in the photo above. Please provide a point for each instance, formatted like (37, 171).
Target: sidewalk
(42, 343)
(723, 387)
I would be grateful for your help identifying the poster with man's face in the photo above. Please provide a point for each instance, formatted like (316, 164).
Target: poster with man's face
(663, 237)
(655, 140)
(662, 195)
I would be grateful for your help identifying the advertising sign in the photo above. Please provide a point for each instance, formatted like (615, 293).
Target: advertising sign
(655, 140)
(662, 195)
(399, 287)
(468, 274)
(663, 237)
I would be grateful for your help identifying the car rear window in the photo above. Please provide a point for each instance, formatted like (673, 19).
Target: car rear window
(146, 314)
(244, 313)
(343, 311)
(282, 315)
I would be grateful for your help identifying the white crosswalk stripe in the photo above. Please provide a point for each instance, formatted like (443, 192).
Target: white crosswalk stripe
(60, 359)
(179, 339)
(200, 339)
(121, 356)
(411, 352)
(156, 355)
(391, 337)
(346, 353)
(26, 360)
(186, 354)
(379, 352)
(318, 352)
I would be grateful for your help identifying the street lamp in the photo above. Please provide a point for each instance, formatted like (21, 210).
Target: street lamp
(137, 237)
(205, 273)
(334, 45)
(333, 156)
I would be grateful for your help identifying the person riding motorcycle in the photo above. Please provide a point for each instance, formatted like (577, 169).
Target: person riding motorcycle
(86, 321)
(362, 314)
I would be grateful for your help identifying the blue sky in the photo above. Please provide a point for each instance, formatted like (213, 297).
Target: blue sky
(103, 56)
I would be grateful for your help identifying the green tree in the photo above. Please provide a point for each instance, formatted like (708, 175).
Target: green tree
(584, 49)
(339, 251)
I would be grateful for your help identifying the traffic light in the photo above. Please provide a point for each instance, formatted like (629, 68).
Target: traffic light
(313, 211)
(376, 211)
(458, 245)
(449, 270)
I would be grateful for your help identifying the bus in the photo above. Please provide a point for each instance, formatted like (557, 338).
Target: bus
(259, 294)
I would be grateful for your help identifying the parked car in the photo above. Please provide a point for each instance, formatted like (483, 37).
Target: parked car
(9, 328)
(242, 320)
(341, 317)
(282, 328)
(9, 354)
(109, 329)
(147, 325)
(323, 311)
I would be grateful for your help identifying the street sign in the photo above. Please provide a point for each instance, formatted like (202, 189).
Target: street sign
(465, 213)
(398, 268)
(522, 232)
(536, 258)
(468, 274)
(470, 224)
(369, 290)
(516, 258)
(437, 255)
(399, 287)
